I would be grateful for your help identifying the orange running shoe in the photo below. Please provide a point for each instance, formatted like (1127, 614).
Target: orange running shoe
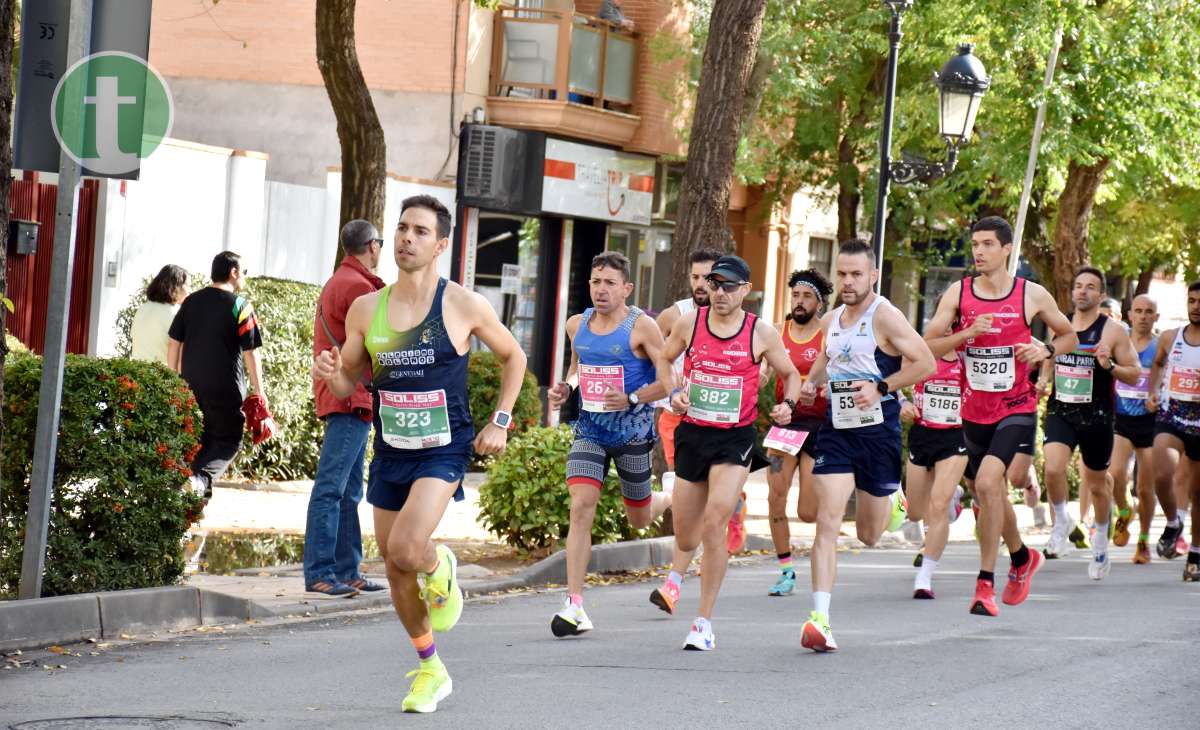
(1142, 555)
(735, 535)
(1020, 579)
(984, 602)
(666, 596)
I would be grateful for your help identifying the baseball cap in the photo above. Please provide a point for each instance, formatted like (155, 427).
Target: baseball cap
(732, 268)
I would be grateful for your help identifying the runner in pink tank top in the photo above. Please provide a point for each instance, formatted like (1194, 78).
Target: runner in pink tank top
(991, 313)
(721, 375)
(724, 345)
(996, 381)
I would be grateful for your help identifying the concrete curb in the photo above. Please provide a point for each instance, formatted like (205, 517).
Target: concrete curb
(66, 619)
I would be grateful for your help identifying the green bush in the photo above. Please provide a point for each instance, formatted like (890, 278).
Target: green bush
(483, 388)
(120, 505)
(525, 499)
(285, 311)
(13, 344)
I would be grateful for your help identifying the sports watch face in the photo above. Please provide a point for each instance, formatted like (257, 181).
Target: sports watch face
(501, 419)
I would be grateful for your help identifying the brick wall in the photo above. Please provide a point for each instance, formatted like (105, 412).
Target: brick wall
(660, 85)
(403, 45)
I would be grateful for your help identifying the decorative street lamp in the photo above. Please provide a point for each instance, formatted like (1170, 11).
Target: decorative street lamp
(961, 85)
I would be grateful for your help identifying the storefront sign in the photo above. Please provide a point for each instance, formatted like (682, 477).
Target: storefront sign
(593, 182)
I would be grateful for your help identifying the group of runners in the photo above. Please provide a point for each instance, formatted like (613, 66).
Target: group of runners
(691, 379)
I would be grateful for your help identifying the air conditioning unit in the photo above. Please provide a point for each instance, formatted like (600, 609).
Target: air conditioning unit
(501, 169)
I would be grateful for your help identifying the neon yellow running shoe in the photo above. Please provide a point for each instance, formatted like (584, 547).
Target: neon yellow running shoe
(431, 686)
(442, 593)
(899, 511)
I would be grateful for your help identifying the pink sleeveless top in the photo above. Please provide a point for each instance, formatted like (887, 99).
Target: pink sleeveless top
(996, 384)
(938, 398)
(722, 375)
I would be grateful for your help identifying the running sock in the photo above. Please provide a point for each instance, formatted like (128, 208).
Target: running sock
(1100, 539)
(675, 578)
(785, 561)
(426, 651)
(987, 575)
(1143, 537)
(1175, 522)
(577, 600)
(1020, 557)
(821, 601)
(925, 574)
(1060, 515)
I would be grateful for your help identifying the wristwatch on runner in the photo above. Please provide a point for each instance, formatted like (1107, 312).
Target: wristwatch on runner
(502, 419)
(790, 403)
(882, 387)
(1049, 348)
(633, 399)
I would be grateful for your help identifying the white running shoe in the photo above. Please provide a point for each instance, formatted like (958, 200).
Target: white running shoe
(700, 638)
(570, 621)
(956, 503)
(1099, 567)
(1060, 544)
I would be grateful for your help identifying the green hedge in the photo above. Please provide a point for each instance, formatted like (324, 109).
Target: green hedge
(483, 385)
(525, 499)
(120, 507)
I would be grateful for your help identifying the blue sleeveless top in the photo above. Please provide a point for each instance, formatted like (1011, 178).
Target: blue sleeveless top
(419, 387)
(1136, 406)
(614, 428)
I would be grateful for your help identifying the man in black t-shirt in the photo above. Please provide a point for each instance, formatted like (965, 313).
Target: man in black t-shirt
(214, 343)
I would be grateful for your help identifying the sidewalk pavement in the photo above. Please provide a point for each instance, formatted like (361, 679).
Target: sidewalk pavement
(282, 508)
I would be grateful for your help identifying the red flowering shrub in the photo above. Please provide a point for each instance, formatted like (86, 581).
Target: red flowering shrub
(120, 505)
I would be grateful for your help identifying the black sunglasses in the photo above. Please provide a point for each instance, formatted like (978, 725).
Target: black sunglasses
(728, 287)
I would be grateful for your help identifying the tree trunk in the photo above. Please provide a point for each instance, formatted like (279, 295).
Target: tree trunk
(734, 31)
(1071, 227)
(7, 29)
(364, 154)
(1143, 282)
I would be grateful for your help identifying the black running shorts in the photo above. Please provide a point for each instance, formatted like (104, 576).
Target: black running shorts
(1139, 430)
(1094, 441)
(927, 446)
(1003, 439)
(697, 448)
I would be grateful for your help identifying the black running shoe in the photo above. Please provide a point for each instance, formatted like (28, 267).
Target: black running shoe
(1166, 543)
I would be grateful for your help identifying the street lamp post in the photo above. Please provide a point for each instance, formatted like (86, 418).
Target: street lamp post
(961, 85)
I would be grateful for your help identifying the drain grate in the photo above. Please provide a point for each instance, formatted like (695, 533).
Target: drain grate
(120, 722)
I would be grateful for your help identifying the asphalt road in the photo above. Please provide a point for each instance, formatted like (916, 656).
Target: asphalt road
(1077, 654)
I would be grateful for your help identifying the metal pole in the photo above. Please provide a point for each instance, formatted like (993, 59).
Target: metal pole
(885, 142)
(1034, 147)
(41, 487)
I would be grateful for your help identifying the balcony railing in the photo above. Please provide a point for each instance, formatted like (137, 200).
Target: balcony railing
(561, 56)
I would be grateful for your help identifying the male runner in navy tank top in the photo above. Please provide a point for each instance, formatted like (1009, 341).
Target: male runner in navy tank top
(1080, 414)
(724, 347)
(413, 338)
(860, 368)
(613, 351)
(1134, 433)
(991, 313)
(1175, 395)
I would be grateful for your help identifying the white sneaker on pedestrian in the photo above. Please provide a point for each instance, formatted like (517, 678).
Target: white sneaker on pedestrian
(1060, 544)
(700, 638)
(1039, 516)
(1099, 567)
(912, 531)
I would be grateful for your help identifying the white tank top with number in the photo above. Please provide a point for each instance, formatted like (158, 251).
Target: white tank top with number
(684, 306)
(854, 355)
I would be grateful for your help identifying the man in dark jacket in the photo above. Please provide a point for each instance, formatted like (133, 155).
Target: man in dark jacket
(332, 537)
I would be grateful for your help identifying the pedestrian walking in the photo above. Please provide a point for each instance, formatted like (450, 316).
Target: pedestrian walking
(152, 321)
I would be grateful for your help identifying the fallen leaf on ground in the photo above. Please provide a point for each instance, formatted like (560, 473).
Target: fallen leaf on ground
(56, 649)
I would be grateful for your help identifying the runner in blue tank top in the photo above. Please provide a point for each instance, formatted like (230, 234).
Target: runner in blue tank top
(1134, 433)
(413, 338)
(613, 349)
